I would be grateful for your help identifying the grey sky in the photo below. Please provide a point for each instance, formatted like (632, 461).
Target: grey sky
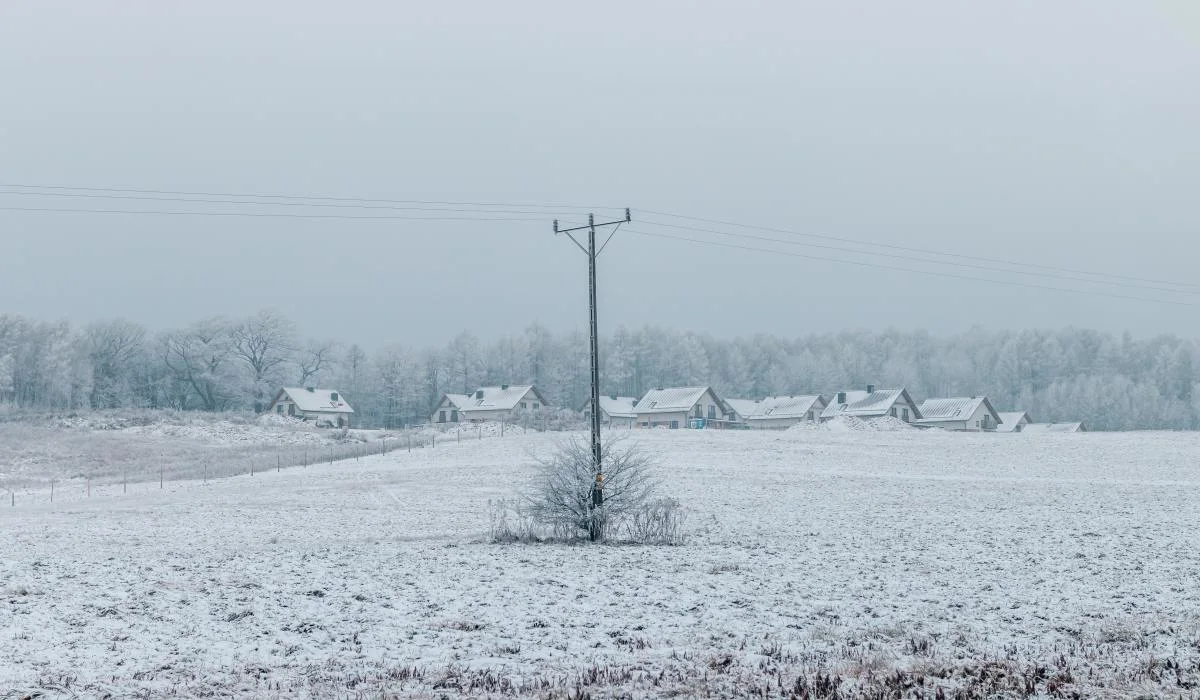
(1056, 133)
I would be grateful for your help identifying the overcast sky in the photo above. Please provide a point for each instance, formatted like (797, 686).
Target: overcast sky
(1061, 134)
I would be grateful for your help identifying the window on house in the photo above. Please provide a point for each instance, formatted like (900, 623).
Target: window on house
(905, 415)
(894, 412)
(536, 406)
(712, 412)
(812, 416)
(524, 406)
(333, 396)
(453, 416)
(279, 409)
(674, 425)
(441, 416)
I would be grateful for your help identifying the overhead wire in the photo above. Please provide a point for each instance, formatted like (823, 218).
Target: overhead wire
(897, 268)
(911, 249)
(926, 260)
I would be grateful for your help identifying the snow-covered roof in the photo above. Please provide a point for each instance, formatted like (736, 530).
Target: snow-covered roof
(1054, 428)
(1012, 419)
(954, 409)
(497, 398)
(743, 408)
(619, 406)
(864, 405)
(456, 400)
(615, 406)
(312, 400)
(675, 400)
(776, 407)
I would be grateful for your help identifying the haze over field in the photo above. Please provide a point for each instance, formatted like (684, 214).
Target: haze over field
(1058, 134)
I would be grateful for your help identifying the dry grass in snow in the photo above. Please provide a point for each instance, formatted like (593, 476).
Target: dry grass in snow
(818, 563)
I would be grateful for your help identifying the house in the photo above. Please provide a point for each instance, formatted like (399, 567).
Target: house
(325, 408)
(449, 408)
(873, 403)
(975, 414)
(614, 410)
(777, 412)
(493, 403)
(740, 410)
(1013, 421)
(1054, 428)
(680, 408)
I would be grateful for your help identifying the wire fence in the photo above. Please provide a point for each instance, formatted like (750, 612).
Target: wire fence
(211, 465)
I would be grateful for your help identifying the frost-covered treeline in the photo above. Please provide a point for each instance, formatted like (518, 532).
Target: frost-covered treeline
(1112, 382)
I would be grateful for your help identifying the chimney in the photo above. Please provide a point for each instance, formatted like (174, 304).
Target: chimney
(841, 397)
(613, 397)
(479, 394)
(503, 387)
(870, 388)
(310, 389)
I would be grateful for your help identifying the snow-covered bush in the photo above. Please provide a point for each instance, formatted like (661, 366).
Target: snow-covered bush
(561, 502)
(660, 521)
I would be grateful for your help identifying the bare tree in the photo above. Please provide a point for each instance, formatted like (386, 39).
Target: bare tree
(563, 496)
(198, 356)
(263, 343)
(116, 349)
(314, 358)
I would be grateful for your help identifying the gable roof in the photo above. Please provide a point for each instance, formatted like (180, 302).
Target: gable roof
(776, 407)
(864, 405)
(1055, 428)
(675, 400)
(955, 409)
(1013, 419)
(743, 408)
(497, 398)
(456, 400)
(314, 400)
(615, 406)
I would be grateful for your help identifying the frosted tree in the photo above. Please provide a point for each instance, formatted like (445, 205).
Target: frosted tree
(263, 342)
(116, 350)
(199, 357)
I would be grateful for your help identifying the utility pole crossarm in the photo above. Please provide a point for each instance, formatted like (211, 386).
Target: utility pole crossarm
(594, 345)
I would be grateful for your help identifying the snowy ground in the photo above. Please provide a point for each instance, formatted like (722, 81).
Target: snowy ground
(998, 565)
(110, 446)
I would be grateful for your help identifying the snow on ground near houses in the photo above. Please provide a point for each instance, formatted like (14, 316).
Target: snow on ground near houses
(111, 444)
(1057, 562)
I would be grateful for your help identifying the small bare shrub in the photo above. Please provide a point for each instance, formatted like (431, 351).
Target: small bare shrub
(659, 521)
(563, 495)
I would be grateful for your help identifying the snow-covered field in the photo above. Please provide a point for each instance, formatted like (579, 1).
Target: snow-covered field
(997, 565)
(111, 446)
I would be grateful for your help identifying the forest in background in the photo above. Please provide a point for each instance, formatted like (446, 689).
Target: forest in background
(1112, 382)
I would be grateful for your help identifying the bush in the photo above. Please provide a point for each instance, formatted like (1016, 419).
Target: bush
(560, 506)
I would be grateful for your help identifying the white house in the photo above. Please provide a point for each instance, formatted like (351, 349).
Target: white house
(974, 414)
(448, 408)
(614, 410)
(777, 412)
(1013, 421)
(324, 407)
(740, 410)
(872, 403)
(491, 403)
(1054, 428)
(679, 407)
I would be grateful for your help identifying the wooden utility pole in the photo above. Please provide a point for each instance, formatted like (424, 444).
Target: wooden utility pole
(592, 253)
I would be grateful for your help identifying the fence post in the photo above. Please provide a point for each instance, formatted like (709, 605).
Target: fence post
(125, 481)
(278, 462)
(52, 490)
(205, 471)
(89, 486)
(502, 424)
(331, 454)
(410, 442)
(459, 430)
(306, 458)
(160, 477)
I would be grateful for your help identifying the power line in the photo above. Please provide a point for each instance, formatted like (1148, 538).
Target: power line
(285, 215)
(235, 202)
(911, 270)
(913, 258)
(126, 190)
(920, 250)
